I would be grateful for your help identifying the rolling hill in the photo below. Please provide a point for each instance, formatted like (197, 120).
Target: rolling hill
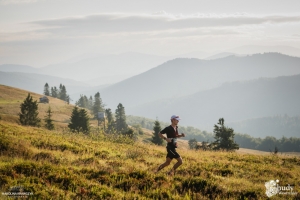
(19, 68)
(35, 82)
(11, 98)
(234, 101)
(276, 126)
(63, 165)
(183, 76)
(105, 69)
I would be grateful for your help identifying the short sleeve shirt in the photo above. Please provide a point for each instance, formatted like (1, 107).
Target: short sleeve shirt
(171, 133)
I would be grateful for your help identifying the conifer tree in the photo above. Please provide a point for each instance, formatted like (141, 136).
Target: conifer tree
(46, 90)
(82, 102)
(63, 93)
(79, 121)
(155, 138)
(121, 124)
(110, 120)
(29, 112)
(54, 92)
(75, 120)
(224, 137)
(48, 120)
(98, 105)
(84, 121)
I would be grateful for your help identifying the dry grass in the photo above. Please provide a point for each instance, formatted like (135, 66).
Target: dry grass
(11, 98)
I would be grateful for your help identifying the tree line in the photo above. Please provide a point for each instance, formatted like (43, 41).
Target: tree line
(60, 92)
(224, 138)
(269, 143)
(79, 119)
(117, 123)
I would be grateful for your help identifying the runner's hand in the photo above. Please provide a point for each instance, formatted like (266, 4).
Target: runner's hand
(168, 140)
(182, 134)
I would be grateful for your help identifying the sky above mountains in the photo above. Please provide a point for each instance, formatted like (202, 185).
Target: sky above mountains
(43, 32)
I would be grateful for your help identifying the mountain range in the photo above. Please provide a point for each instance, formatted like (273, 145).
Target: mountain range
(183, 76)
(238, 88)
(234, 101)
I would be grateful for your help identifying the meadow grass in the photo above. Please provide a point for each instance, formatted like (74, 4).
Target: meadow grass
(64, 165)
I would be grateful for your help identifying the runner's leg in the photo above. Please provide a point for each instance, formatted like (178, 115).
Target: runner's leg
(168, 161)
(179, 162)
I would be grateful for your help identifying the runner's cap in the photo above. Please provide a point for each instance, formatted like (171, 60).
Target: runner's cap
(175, 117)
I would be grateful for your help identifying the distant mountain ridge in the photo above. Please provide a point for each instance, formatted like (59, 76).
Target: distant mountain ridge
(233, 101)
(19, 68)
(276, 126)
(183, 76)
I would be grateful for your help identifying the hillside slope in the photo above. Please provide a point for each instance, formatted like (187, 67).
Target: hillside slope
(11, 99)
(276, 126)
(58, 165)
(35, 82)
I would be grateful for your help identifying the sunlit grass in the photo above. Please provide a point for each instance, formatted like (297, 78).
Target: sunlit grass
(56, 164)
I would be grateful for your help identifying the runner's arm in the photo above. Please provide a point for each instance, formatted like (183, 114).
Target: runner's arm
(163, 137)
(182, 135)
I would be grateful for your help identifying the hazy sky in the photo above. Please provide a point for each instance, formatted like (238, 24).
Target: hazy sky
(42, 32)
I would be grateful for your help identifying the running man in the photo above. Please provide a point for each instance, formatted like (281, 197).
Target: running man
(172, 135)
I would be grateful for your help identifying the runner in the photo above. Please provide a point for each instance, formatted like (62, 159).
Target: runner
(172, 135)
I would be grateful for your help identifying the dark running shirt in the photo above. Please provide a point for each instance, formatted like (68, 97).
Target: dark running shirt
(171, 133)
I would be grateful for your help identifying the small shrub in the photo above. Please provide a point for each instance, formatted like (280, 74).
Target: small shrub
(26, 168)
(134, 153)
(194, 184)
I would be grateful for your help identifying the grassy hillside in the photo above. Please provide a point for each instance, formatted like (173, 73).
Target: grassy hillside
(61, 165)
(11, 98)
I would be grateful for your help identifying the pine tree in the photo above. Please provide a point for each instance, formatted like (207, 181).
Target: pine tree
(49, 122)
(110, 120)
(155, 138)
(224, 137)
(82, 102)
(63, 93)
(29, 112)
(84, 121)
(46, 90)
(79, 121)
(54, 92)
(121, 124)
(98, 105)
(74, 120)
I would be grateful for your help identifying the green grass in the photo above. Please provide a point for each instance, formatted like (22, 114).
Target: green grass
(63, 165)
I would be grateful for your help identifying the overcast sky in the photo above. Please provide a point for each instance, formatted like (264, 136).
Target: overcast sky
(42, 32)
